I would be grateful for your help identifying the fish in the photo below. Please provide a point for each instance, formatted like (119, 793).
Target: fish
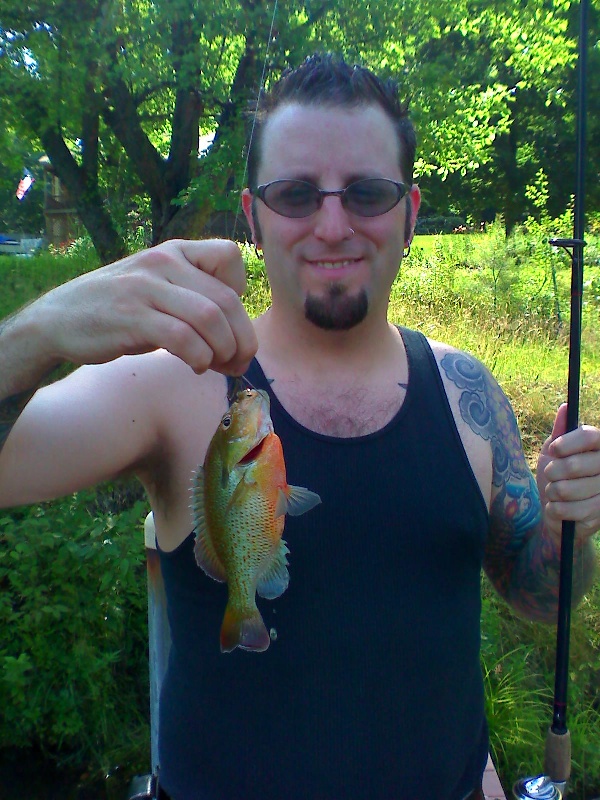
(240, 497)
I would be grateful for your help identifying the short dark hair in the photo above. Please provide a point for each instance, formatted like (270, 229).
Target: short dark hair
(324, 79)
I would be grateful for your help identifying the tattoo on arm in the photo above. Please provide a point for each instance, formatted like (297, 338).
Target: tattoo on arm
(521, 561)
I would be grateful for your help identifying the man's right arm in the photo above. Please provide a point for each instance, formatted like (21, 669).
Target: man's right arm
(20, 372)
(182, 296)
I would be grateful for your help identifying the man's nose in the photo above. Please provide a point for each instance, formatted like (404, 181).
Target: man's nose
(332, 221)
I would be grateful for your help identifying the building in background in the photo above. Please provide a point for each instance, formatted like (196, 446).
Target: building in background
(62, 222)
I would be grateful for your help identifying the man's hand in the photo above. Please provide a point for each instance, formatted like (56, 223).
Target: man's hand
(568, 477)
(183, 296)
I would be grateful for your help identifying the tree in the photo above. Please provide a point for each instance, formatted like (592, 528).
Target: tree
(524, 55)
(149, 76)
(117, 94)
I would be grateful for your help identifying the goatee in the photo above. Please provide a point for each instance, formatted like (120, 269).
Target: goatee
(337, 310)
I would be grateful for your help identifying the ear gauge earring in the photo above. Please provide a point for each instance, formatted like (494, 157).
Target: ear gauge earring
(259, 254)
(406, 251)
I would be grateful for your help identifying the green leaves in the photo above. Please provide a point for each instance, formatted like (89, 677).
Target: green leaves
(73, 654)
(126, 87)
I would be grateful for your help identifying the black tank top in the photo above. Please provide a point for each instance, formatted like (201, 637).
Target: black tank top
(371, 688)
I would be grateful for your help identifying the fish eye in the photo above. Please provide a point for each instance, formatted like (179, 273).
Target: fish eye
(226, 421)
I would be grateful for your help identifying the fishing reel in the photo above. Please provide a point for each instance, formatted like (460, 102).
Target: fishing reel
(539, 788)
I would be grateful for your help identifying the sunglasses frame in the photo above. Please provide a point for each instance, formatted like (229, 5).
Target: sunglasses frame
(401, 188)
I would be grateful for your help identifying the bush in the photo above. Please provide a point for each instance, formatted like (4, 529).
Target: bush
(439, 224)
(520, 279)
(73, 655)
(258, 293)
(24, 279)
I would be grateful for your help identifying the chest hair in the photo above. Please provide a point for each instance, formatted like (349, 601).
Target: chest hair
(356, 411)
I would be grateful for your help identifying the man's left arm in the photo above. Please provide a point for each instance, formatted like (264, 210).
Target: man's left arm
(522, 556)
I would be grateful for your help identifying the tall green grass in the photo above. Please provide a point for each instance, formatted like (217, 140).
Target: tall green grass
(23, 279)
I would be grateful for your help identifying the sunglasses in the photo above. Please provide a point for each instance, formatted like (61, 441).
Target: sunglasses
(369, 197)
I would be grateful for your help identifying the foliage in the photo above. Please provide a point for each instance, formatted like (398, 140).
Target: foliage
(26, 215)
(117, 96)
(24, 279)
(258, 293)
(73, 655)
(521, 279)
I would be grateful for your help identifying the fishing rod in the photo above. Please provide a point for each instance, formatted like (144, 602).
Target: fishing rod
(557, 762)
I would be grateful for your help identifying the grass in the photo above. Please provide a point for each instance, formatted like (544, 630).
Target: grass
(23, 279)
(507, 303)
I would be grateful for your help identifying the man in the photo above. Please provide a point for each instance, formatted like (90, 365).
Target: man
(371, 687)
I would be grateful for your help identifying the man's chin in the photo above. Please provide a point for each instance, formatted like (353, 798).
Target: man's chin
(337, 310)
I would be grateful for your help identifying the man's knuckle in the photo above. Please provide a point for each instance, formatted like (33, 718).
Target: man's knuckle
(178, 334)
(574, 466)
(157, 258)
(209, 315)
(230, 249)
(229, 300)
(560, 491)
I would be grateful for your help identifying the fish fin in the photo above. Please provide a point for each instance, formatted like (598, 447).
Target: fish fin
(238, 496)
(281, 506)
(248, 633)
(301, 500)
(206, 558)
(275, 580)
(205, 554)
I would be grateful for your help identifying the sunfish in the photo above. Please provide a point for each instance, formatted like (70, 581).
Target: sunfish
(240, 497)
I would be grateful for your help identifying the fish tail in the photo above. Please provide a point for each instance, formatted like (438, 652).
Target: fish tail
(247, 632)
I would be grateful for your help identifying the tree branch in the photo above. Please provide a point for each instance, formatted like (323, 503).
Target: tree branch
(122, 118)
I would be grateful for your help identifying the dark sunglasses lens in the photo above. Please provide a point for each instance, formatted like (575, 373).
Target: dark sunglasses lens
(373, 196)
(292, 198)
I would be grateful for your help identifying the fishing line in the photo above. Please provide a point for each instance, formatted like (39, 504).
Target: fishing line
(251, 139)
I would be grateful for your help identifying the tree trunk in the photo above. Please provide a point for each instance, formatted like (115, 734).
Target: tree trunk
(510, 177)
(84, 193)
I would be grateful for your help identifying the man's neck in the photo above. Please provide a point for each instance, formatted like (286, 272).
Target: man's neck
(316, 350)
(340, 383)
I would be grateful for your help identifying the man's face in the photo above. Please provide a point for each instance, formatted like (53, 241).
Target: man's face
(332, 267)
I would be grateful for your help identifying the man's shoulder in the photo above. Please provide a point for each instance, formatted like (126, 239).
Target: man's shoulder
(161, 368)
(440, 349)
(177, 386)
(463, 374)
(465, 381)
(159, 385)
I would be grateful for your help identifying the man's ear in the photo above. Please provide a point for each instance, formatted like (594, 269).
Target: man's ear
(249, 208)
(412, 209)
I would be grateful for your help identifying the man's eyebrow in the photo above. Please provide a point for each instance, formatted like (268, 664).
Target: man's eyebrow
(303, 176)
(307, 178)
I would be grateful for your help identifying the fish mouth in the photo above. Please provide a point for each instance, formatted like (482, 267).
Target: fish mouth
(253, 453)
